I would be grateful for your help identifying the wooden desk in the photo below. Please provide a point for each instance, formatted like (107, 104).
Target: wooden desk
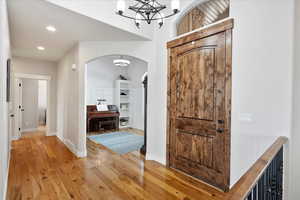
(102, 116)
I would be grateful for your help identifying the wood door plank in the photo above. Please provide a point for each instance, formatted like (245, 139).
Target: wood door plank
(196, 92)
(199, 94)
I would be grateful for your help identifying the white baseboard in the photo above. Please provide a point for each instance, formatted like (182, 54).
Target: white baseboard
(6, 178)
(52, 134)
(29, 130)
(150, 156)
(81, 154)
(58, 135)
(72, 148)
(15, 138)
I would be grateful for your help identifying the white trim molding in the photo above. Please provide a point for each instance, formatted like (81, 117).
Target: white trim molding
(81, 154)
(5, 183)
(33, 76)
(15, 138)
(150, 156)
(72, 148)
(29, 130)
(6, 177)
(52, 134)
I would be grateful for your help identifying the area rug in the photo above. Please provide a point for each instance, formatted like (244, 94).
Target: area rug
(119, 142)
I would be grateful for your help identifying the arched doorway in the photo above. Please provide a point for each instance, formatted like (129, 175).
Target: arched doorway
(115, 101)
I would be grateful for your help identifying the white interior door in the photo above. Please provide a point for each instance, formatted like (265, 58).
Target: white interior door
(18, 106)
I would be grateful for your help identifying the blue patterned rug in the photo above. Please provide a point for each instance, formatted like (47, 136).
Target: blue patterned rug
(120, 142)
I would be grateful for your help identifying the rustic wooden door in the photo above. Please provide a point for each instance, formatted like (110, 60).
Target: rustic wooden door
(199, 107)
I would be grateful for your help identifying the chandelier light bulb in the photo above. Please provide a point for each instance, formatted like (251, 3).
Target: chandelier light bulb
(161, 20)
(121, 6)
(152, 3)
(138, 19)
(175, 5)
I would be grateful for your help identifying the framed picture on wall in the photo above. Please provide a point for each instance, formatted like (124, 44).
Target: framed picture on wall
(8, 79)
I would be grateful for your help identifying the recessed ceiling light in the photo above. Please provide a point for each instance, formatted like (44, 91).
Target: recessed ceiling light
(40, 48)
(51, 28)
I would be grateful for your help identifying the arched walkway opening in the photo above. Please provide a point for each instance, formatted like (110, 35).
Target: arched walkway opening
(115, 102)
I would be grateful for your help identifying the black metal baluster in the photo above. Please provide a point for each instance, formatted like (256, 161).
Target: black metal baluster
(270, 184)
(254, 193)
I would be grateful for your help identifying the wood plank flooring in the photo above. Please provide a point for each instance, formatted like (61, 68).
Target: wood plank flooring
(43, 168)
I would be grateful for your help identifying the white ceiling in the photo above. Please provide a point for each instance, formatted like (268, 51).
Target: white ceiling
(28, 19)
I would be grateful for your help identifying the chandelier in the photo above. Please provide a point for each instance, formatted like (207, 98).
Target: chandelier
(148, 11)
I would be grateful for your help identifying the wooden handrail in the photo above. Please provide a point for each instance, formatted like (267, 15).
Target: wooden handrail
(241, 189)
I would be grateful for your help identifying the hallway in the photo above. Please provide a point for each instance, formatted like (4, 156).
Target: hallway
(149, 99)
(43, 168)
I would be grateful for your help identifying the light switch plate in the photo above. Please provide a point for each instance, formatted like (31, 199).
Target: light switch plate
(246, 117)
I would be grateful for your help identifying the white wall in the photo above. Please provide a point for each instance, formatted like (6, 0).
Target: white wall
(30, 96)
(295, 139)
(4, 136)
(38, 67)
(101, 76)
(262, 78)
(67, 100)
(135, 72)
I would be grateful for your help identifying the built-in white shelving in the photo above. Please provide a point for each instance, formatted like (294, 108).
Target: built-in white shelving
(122, 100)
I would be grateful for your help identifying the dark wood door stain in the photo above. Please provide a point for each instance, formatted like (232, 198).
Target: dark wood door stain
(199, 108)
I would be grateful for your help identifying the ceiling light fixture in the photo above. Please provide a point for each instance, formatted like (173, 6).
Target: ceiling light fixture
(41, 48)
(51, 28)
(148, 10)
(121, 62)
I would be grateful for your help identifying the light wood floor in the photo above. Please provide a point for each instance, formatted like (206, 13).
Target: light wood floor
(39, 132)
(43, 168)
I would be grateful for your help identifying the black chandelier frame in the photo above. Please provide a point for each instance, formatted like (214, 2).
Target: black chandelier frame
(148, 12)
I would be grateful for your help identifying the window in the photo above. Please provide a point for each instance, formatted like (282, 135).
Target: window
(203, 14)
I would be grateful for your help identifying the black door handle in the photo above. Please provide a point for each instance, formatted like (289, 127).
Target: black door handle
(220, 130)
(221, 121)
(12, 115)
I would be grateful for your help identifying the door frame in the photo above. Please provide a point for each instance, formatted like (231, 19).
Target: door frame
(16, 103)
(224, 26)
(48, 116)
